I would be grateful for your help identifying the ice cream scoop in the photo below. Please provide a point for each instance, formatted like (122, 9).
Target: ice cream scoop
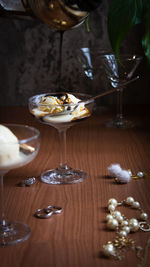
(9, 146)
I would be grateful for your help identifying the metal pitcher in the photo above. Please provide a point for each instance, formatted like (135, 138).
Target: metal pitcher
(57, 14)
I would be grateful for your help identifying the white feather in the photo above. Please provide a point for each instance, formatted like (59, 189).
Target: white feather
(114, 169)
(124, 177)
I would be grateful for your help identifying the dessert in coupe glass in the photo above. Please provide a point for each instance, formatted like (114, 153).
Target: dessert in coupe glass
(19, 145)
(61, 110)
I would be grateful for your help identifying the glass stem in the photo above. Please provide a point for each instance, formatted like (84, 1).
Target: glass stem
(2, 219)
(62, 140)
(120, 103)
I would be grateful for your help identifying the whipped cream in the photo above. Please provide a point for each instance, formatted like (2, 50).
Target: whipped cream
(64, 109)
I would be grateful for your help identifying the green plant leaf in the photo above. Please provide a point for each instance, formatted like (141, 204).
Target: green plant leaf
(146, 37)
(86, 22)
(122, 16)
(140, 4)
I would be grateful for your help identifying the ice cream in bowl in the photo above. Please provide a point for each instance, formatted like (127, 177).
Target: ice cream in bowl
(19, 145)
(15, 151)
(61, 110)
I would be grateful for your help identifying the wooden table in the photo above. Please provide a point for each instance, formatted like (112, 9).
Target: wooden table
(75, 238)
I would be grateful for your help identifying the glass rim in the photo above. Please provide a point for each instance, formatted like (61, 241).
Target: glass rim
(104, 52)
(23, 140)
(122, 56)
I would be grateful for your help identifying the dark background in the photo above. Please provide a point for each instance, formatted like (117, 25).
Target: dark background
(29, 58)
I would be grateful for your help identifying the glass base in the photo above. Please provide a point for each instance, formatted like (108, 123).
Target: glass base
(13, 233)
(119, 123)
(63, 176)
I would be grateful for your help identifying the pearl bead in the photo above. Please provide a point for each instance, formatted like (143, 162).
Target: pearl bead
(134, 225)
(109, 250)
(126, 229)
(135, 205)
(129, 200)
(109, 217)
(123, 233)
(124, 223)
(112, 201)
(144, 216)
(111, 207)
(130, 173)
(140, 174)
(117, 215)
(120, 219)
(112, 224)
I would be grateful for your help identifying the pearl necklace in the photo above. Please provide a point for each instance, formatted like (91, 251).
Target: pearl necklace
(123, 226)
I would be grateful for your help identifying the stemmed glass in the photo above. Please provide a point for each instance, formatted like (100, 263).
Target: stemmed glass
(61, 111)
(19, 145)
(103, 71)
(118, 73)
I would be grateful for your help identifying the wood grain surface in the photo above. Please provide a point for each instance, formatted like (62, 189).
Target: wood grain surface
(75, 237)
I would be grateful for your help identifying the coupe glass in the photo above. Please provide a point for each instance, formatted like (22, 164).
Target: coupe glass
(119, 73)
(102, 71)
(61, 121)
(19, 145)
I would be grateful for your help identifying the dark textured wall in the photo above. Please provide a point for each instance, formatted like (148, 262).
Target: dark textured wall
(29, 58)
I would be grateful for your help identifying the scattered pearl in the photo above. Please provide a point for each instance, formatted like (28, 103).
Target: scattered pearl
(144, 216)
(109, 217)
(134, 225)
(135, 205)
(123, 233)
(129, 200)
(140, 174)
(112, 201)
(111, 207)
(109, 250)
(126, 229)
(112, 224)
